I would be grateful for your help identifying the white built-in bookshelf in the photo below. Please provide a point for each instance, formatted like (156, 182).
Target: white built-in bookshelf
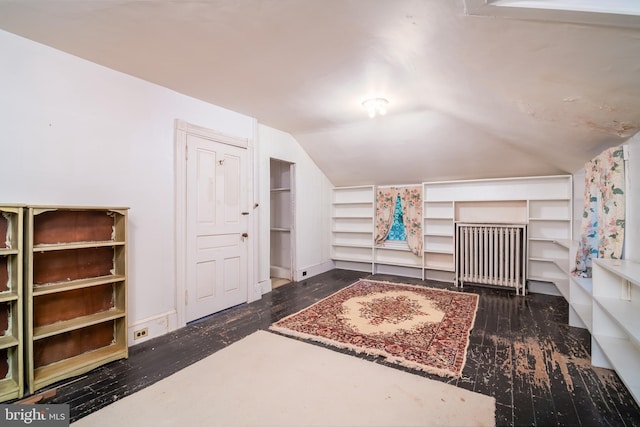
(544, 203)
(352, 227)
(439, 234)
(281, 219)
(615, 327)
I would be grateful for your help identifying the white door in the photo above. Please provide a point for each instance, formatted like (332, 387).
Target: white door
(217, 218)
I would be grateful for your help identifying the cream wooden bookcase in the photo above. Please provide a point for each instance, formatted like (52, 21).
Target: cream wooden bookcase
(76, 291)
(544, 203)
(615, 327)
(352, 227)
(11, 342)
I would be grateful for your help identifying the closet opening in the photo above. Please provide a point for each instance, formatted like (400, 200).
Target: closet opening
(282, 221)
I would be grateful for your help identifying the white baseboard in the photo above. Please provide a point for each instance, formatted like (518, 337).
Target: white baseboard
(156, 326)
(276, 271)
(256, 293)
(398, 270)
(265, 286)
(313, 270)
(545, 288)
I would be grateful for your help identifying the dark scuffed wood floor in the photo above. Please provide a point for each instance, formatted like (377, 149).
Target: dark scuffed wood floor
(521, 352)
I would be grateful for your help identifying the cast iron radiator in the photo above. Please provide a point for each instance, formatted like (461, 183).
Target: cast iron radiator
(492, 254)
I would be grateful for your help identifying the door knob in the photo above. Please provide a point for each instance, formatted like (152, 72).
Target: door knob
(245, 235)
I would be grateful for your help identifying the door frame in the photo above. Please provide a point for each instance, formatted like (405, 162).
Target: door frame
(182, 129)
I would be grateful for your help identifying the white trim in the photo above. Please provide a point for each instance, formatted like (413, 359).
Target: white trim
(180, 236)
(212, 134)
(265, 286)
(294, 223)
(517, 178)
(397, 185)
(256, 288)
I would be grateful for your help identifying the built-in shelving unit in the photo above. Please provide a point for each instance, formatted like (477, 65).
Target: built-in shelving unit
(544, 203)
(282, 219)
(11, 342)
(616, 320)
(76, 291)
(580, 288)
(581, 302)
(352, 227)
(550, 228)
(439, 238)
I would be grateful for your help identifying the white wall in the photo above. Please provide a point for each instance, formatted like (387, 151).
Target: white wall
(76, 133)
(312, 201)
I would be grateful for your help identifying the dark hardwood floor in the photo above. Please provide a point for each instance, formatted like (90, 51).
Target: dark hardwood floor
(521, 352)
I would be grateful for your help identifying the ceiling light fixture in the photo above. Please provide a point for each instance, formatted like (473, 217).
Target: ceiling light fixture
(376, 106)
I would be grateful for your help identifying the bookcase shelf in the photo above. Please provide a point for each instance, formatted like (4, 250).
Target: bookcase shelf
(76, 287)
(8, 387)
(9, 296)
(8, 342)
(44, 289)
(615, 341)
(11, 302)
(76, 323)
(77, 365)
(352, 215)
(438, 235)
(78, 245)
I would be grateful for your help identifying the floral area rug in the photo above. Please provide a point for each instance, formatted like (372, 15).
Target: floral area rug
(414, 326)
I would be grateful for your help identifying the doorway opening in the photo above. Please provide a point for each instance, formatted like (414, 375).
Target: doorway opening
(282, 222)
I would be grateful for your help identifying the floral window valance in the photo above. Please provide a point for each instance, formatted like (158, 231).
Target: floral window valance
(411, 203)
(603, 217)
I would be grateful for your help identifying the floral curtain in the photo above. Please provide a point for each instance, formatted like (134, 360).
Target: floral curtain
(411, 199)
(603, 219)
(411, 202)
(385, 207)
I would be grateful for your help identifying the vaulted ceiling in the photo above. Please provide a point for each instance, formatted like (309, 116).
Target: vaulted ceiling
(473, 93)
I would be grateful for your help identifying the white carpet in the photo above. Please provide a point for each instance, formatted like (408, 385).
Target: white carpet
(269, 380)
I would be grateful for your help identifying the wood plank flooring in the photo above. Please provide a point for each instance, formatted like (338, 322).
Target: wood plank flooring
(521, 352)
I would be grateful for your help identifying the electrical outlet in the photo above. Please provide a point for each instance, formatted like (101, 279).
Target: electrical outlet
(140, 333)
